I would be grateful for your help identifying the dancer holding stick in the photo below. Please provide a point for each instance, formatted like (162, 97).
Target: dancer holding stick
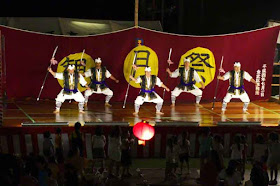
(188, 78)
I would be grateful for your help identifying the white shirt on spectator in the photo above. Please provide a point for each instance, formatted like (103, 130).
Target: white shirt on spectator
(236, 154)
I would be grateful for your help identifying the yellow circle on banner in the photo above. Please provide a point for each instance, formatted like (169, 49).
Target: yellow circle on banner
(143, 56)
(203, 61)
(74, 59)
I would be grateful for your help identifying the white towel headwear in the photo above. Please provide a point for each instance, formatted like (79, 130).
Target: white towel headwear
(148, 69)
(71, 67)
(237, 64)
(187, 60)
(98, 60)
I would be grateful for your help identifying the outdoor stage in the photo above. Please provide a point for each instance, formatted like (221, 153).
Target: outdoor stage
(32, 112)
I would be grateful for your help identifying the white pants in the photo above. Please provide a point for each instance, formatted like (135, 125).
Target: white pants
(78, 97)
(243, 97)
(176, 92)
(140, 100)
(106, 91)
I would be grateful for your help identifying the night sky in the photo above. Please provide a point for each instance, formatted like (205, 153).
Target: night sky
(197, 17)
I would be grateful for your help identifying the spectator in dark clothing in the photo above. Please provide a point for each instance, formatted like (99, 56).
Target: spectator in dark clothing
(77, 139)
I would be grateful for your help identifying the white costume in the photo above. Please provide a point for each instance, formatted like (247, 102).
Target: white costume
(98, 81)
(144, 95)
(243, 96)
(62, 96)
(182, 87)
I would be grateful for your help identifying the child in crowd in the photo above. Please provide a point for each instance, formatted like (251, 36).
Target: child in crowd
(48, 147)
(259, 149)
(114, 150)
(231, 176)
(172, 156)
(184, 151)
(98, 144)
(237, 154)
(127, 142)
(273, 157)
(219, 148)
(58, 146)
(77, 139)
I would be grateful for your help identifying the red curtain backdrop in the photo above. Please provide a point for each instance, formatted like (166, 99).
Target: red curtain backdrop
(28, 54)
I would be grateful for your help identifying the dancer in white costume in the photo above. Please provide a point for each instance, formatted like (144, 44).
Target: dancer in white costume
(98, 74)
(188, 78)
(70, 90)
(147, 93)
(236, 86)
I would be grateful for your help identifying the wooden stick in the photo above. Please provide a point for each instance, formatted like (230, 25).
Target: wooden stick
(169, 56)
(214, 99)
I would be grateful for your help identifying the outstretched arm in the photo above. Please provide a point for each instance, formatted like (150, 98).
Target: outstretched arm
(165, 87)
(114, 79)
(253, 81)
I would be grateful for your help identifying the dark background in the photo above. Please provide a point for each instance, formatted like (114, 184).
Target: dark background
(196, 17)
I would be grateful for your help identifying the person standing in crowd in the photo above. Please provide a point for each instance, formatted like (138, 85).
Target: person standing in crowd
(188, 78)
(48, 147)
(77, 139)
(184, 151)
(259, 149)
(98, 144)
(126, 161)
(219, 148)
(237, 154)
(273, 157)
(205, 145)
(210, 178)
(172, 157)
(58, 146)
(236, 89)
(114, 151)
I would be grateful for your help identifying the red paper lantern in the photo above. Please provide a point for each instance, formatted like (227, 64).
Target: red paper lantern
(143, 131)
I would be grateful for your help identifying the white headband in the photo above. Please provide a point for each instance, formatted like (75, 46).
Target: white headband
(98, 60)
(148, 69)
(237, 64)
(71, 67)
(187, 60)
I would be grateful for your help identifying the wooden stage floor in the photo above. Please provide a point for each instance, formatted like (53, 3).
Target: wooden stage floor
(30, 111)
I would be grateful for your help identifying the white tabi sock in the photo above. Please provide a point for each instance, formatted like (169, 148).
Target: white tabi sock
(58, 105)
(158, 107)
(173, 99)
(81, 106)
(107, 99)
(197, 99)
(245, 106)
(136, 107)
(224, 106)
